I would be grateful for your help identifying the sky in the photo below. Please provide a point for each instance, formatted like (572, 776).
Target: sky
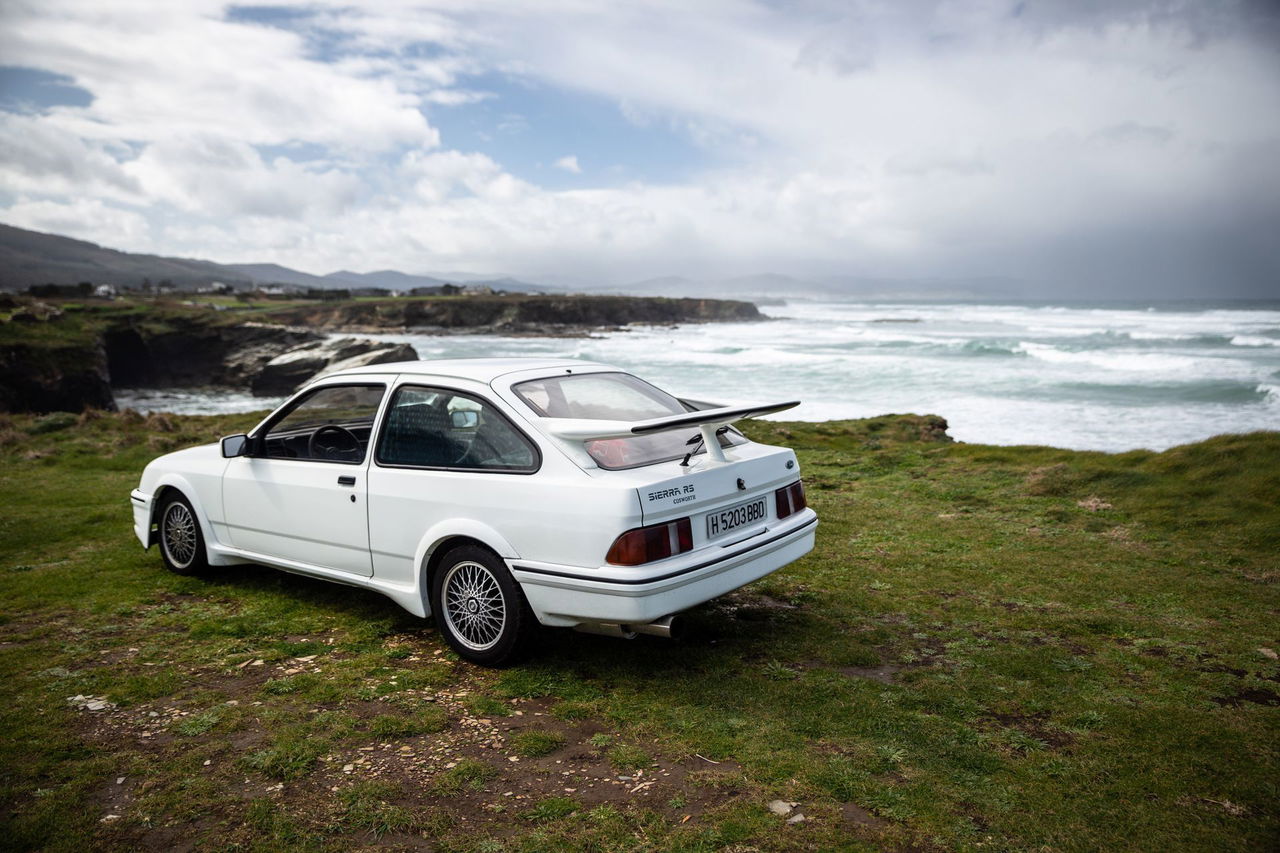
(1087, 148)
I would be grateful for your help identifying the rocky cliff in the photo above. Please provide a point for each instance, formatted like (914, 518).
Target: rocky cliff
(529, 315)
(56, 360)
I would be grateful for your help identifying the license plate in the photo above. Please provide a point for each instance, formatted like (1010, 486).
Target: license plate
(726, 520)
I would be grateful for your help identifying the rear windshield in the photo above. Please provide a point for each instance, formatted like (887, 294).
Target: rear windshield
(618, 397)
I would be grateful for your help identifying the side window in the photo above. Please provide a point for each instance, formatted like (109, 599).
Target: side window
(332, 424)
(437, 428)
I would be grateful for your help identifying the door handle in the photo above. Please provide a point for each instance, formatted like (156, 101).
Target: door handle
(346, 480)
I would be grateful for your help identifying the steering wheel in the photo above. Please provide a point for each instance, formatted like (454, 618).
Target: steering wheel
(343, 444)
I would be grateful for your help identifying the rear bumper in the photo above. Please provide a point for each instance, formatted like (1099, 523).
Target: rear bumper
(565, 596)
(141, 503)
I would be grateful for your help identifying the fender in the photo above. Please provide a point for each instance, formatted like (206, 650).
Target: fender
(449, 529)
(211, 543)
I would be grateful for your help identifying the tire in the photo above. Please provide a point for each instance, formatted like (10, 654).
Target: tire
(480, 609)
(181, 542)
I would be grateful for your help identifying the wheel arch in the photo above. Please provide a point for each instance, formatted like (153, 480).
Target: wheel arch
(446, 536)
(175, 483)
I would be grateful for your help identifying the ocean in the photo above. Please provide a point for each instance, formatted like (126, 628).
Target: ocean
(1088, 378)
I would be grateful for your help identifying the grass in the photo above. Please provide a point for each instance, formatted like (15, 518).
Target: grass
(990, 647)
(537, 743)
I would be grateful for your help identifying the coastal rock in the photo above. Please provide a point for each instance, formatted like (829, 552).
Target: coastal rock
(282, 374)
(64, 377)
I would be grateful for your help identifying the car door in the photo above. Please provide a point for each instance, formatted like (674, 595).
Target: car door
(446, 454)
(300, 494)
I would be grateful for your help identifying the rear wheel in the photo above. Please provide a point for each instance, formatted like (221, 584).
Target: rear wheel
(479, 607)
(181, 543)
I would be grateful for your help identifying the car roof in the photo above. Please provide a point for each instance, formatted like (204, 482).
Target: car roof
(478, 369)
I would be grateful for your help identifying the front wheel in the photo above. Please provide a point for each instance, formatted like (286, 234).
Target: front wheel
(480, 609)
(181, 543)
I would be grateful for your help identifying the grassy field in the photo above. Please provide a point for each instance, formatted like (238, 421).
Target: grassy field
(990, 649)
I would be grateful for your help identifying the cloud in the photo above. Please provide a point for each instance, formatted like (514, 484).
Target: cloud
(569, 163)
(873, 138)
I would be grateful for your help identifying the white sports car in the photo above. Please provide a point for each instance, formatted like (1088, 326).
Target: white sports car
(495, 493)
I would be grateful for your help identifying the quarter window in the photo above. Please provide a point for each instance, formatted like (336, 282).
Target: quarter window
(438, 428)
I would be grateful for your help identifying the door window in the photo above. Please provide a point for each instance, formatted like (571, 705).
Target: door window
(331, 424)
(439, 428)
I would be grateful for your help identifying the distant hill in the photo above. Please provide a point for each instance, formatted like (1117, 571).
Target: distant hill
(31, 257)
(390, 279)
(276, 274)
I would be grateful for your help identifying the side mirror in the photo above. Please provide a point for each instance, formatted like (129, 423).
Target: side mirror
(235, 445)
(465, 419)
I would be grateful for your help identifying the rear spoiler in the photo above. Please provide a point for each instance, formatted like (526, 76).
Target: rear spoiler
(708, 420)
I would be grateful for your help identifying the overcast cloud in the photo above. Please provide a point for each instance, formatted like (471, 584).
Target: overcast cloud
(1082, 147)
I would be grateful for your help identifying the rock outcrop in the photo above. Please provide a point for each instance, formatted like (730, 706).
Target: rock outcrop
(284, 373)
(59, 377)
(52, 360)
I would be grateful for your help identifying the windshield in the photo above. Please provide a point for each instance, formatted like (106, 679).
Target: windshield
(618, 397)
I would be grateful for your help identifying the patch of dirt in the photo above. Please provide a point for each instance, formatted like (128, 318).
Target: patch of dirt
(856, 815)
(1255, 696)
(1034, 725)
(682, 788)
(1093, 503)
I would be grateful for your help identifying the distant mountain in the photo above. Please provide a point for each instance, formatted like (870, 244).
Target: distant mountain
(31, 257)
(276, 274)
(390, 279)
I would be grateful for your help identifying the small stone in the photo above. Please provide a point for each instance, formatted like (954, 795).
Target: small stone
(1268, 653)
(347, 768)
(780, 807)
(153, 713)
(110, 818)
(208, 761)
(796, 818)
(513, 758)
(120, 780)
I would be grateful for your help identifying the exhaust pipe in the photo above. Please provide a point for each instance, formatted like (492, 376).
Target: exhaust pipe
(606, 629)
(670, 627)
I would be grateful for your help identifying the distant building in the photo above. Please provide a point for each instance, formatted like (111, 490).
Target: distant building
(218, 287)
(279, 291)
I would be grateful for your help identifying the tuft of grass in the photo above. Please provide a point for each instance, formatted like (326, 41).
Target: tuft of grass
(292, 756)
(424, 721)
(627, 757)
(550, 809)
(467, 774)
(537, 743)
(483, 705)
(366, 807)
(197, 724)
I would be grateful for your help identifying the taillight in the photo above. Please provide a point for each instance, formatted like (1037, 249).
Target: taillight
(790, 499)
(655, 542)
